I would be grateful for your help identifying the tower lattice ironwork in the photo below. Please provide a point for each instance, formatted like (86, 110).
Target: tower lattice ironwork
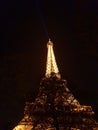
(51, 65)
(55, 107)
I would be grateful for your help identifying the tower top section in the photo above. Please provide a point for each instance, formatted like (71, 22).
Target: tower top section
(51, 65)
(50, 43)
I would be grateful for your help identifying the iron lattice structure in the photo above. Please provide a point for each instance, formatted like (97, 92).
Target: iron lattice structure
(55, 107)
(51, 65)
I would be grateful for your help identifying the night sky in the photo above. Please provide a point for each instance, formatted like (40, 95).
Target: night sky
(72, 26)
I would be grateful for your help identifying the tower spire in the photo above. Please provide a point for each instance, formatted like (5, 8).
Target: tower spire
(51, 65)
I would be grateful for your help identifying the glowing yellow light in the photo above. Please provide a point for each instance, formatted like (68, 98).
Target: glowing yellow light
(51, 65)
(25, 124)
(23, 127)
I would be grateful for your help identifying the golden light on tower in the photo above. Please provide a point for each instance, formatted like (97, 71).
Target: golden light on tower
(25, 124)
(23, 127)
(51, 65)
(69, 113)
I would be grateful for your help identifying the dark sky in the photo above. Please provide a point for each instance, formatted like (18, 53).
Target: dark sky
(72, 26)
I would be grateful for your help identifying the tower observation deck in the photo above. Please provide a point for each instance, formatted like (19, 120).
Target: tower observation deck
(55, 107)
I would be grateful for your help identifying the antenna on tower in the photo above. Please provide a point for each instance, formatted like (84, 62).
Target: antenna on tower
(49, 40)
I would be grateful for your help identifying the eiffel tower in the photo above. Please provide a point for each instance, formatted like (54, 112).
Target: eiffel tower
(55, 107)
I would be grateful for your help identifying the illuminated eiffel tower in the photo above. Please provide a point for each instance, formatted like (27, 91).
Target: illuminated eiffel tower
(55, 107)
(51, 65)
